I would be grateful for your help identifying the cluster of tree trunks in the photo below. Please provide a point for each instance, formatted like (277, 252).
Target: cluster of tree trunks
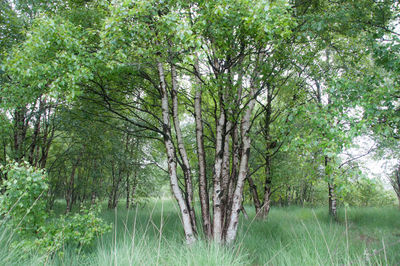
(123, 174)
(232, 150)
(33, 147)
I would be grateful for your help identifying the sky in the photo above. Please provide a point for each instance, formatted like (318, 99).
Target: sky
(372, 167)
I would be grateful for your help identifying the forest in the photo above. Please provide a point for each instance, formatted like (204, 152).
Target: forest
(224, 132)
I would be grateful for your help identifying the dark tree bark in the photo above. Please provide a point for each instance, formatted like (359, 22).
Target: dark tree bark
(69, 196)
(128, 189)
(21, 121)
(116, 181)
(267, 188)
(36, 130)
(254, 193)
(48, 137)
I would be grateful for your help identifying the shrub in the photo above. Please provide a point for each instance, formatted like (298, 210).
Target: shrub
(23, 205)
(77, 230)
(23, 202)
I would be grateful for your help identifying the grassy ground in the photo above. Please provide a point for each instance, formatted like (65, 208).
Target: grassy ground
(152, 235)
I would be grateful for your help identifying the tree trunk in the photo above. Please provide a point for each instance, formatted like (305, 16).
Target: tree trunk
(267, 202)
(93, 198)
(127, 187)
(117, 177)
(70, 189)
(331, 193)
(267, 189)
(217, 192)
(269, 145)
(36, 130)
(225, 175)
(236, 149)
(115, 198)
(203, 190)
(82, 198)
(289, 196)
(396, 183)
(398, 198)
(20, 128)
(133, 184)
(234, 173)
(48, 137)
(332, 201)
(110, 199)
(187, 172)
(133, 194)
(254, 193)
(172, 167)
(305, 194)
(111, 194)
(243, 170)
(243, 210)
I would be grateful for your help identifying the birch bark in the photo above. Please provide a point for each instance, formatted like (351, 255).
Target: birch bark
(181, 148)
(243, 170)
(172, 168)
(217, 192)
(203, 191)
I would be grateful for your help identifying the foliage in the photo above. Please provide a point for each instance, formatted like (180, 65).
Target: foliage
(78, 230)
(24, 200)
(24, 207)
(50, 60)
(364, 191)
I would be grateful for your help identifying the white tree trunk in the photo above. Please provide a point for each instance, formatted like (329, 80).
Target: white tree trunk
(203, 191)
(243, 169)
(181, 147)
(169, 146)
(217, 203)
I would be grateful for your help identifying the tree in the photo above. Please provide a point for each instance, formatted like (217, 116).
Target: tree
(229, 53)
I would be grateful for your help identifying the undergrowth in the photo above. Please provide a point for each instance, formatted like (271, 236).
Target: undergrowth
(152, 235)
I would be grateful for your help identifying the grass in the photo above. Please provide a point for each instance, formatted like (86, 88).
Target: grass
(152, 235)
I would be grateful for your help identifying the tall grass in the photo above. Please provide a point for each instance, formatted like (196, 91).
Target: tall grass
(152, 235)
(297, 236)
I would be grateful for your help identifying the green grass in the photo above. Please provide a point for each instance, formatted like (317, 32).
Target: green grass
(152, 235)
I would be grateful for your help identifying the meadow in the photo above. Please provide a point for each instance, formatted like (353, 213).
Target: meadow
(152, 235)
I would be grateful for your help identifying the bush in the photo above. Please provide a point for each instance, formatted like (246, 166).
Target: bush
(24, 200)
(23, 204)
(77, 230)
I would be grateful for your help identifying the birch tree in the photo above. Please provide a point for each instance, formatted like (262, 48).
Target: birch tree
(228, 63)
